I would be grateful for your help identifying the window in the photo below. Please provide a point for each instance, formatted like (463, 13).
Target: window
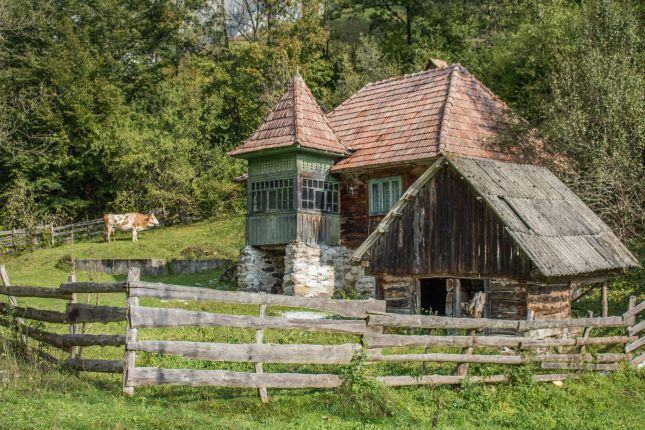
(383, 194)
(276, 194)
(320, 195)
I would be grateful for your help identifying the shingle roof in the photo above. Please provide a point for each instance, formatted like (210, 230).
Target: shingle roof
(553, 227)
(416, 116)
(295, 120)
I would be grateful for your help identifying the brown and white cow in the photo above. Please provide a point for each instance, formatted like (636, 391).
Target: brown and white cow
(124, 222)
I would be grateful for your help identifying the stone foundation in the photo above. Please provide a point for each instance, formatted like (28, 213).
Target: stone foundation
(260, 270)
(304, 270)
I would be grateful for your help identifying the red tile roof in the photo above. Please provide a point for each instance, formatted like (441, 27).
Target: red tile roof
(295, 120)
(414, 117)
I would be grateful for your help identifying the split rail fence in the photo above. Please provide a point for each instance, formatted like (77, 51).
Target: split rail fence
(48, 235)
(377, 334)
(43, 236)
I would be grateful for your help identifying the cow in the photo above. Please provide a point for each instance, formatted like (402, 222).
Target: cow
(124, 222)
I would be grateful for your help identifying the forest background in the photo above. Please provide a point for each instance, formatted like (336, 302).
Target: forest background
(131, 105)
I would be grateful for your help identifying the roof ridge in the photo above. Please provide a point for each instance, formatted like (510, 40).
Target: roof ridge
(481, 85)
(447, 108)
(296, 108)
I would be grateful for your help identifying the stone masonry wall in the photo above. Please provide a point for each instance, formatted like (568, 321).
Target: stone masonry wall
(260, 270)
(303, 270)
(324, 271)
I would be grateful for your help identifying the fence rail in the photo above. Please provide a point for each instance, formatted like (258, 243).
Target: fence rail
(366, 319)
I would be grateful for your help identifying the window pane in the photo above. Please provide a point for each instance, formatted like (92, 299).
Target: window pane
(376, 197)
(396, 191)
(386, 197)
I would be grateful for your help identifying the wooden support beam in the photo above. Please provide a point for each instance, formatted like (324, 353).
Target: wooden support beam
(604, 299)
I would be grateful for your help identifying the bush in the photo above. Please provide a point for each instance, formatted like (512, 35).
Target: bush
(195, 252)
(361, 393)
(65, 263)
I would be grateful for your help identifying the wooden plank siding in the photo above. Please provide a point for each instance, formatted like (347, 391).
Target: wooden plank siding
(448, 231)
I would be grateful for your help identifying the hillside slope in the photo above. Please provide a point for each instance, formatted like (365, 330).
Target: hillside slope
(41, 267)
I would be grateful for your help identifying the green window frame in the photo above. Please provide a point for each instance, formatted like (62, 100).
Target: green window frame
(271, 195)
(383, 193)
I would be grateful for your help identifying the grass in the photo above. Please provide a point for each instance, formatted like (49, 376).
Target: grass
(40, 266)
(33, 395)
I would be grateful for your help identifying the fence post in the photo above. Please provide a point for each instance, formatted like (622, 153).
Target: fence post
(74, 351)
(13, 302)
(585, 334)
(52, 233)
(131, 333)
(259, 337)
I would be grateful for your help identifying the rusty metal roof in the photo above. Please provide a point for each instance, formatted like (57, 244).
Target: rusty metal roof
(559, 233)
(416, 116)
(296, 120)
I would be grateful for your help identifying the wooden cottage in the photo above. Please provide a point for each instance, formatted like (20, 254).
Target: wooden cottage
(403, 179)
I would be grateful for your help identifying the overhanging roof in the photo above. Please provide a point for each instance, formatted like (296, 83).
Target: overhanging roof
(553, 227)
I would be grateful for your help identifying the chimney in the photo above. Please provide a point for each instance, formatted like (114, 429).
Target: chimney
(435, 63)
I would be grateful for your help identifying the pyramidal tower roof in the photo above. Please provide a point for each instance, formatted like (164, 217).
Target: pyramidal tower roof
(296, 120)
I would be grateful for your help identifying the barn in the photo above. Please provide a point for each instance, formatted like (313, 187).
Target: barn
(400, 193)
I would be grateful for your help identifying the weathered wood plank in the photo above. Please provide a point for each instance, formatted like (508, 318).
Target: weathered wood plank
(129, 356)
(573, 323)
(635, 345)
(259, 366)
(21, 291)
(102, 366)
(376, 355)
(347, 308)
(13, 302)
(141, 317)
(82, 313)
(403, 380)
(394, 340)
(252, 352)
(635, 310)
(581, 366)
(35, 333)
(34, 314)
(633, 331)
(143, 376)
(427, 321)
(93, 340)
(93, 287)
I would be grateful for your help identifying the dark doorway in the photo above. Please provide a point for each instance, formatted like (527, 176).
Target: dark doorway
(433, 296)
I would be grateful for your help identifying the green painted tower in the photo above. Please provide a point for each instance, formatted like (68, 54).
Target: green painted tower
(291, 195)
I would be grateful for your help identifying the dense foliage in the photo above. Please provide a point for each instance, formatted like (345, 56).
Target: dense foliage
(132, 104)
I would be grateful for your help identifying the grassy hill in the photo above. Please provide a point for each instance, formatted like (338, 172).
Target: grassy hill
(33, 395)
(41, 267)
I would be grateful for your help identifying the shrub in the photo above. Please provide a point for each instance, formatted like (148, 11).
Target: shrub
(361, 393)
(203, 250)
(65, 263)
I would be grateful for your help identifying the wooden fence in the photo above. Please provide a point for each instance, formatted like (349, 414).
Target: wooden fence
(43, 236)
(379, 337)
(48, 235)
(14, 316)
